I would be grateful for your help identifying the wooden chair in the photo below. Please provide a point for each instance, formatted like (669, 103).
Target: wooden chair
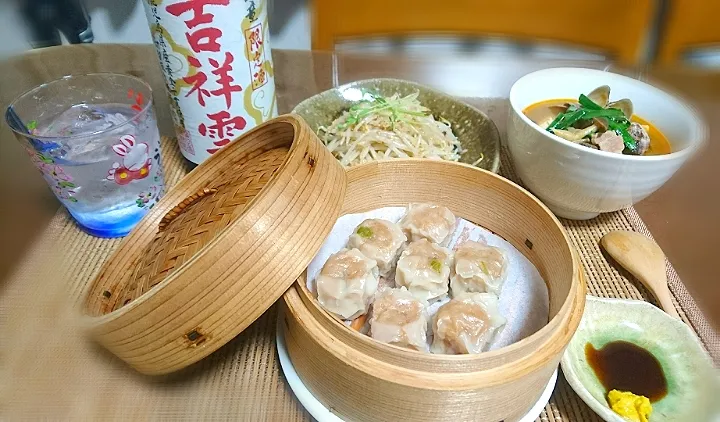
(688, 24)
(617, 27)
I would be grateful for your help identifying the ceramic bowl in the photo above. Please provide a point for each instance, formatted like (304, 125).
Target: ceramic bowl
(475, 130)
(693, 386)
(577, 182)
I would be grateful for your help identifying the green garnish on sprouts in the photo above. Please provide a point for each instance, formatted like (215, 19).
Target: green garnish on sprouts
(377, 103)
(377, 127)
(364, 232)
(587, 109)
(436, 265)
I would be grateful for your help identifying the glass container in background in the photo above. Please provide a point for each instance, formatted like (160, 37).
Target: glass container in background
(95, 140)
(218, 69)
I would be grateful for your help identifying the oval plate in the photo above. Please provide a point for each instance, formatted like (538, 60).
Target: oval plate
(692, 380)
(474, 129)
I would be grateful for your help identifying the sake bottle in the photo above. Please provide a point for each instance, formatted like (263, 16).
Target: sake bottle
(218, 69)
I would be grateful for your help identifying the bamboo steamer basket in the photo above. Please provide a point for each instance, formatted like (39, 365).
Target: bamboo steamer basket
(236, 235)
(361, 379)
(219, 249)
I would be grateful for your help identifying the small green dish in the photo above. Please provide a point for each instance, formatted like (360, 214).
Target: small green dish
(474, 129)
(693, 383)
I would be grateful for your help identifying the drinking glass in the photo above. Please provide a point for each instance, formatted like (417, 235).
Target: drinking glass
(95, 140)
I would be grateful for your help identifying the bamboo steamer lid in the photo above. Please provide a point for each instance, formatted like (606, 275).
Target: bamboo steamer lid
(218, 250)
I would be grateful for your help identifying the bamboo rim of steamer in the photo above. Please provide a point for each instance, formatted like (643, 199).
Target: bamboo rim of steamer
(205, 302)
(445, 372)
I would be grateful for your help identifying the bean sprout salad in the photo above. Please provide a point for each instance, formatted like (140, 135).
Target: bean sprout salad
(379, 128)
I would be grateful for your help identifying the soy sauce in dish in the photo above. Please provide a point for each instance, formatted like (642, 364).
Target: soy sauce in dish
(620, 365)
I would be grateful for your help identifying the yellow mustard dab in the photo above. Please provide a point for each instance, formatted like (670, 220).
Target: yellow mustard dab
(630, 406)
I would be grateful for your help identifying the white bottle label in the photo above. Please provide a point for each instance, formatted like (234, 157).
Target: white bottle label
(218, 69)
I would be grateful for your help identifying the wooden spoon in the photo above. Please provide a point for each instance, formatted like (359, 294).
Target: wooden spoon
(644, 259)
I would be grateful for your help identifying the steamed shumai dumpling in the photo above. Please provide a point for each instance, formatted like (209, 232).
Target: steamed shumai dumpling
(424, 269)
(400, 319)
(431, 222)
(466, 324)
(347, 283)
(380, 240)
(478, 268)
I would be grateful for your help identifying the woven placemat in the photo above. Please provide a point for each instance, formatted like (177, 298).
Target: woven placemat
(48, 369)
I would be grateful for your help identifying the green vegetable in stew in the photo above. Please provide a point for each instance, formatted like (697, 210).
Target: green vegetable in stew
(587, 109)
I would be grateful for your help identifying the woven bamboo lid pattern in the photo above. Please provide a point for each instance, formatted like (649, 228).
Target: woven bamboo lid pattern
(187, 228)
(218, 249)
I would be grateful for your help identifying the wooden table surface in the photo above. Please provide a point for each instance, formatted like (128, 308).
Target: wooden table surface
(682, 215)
